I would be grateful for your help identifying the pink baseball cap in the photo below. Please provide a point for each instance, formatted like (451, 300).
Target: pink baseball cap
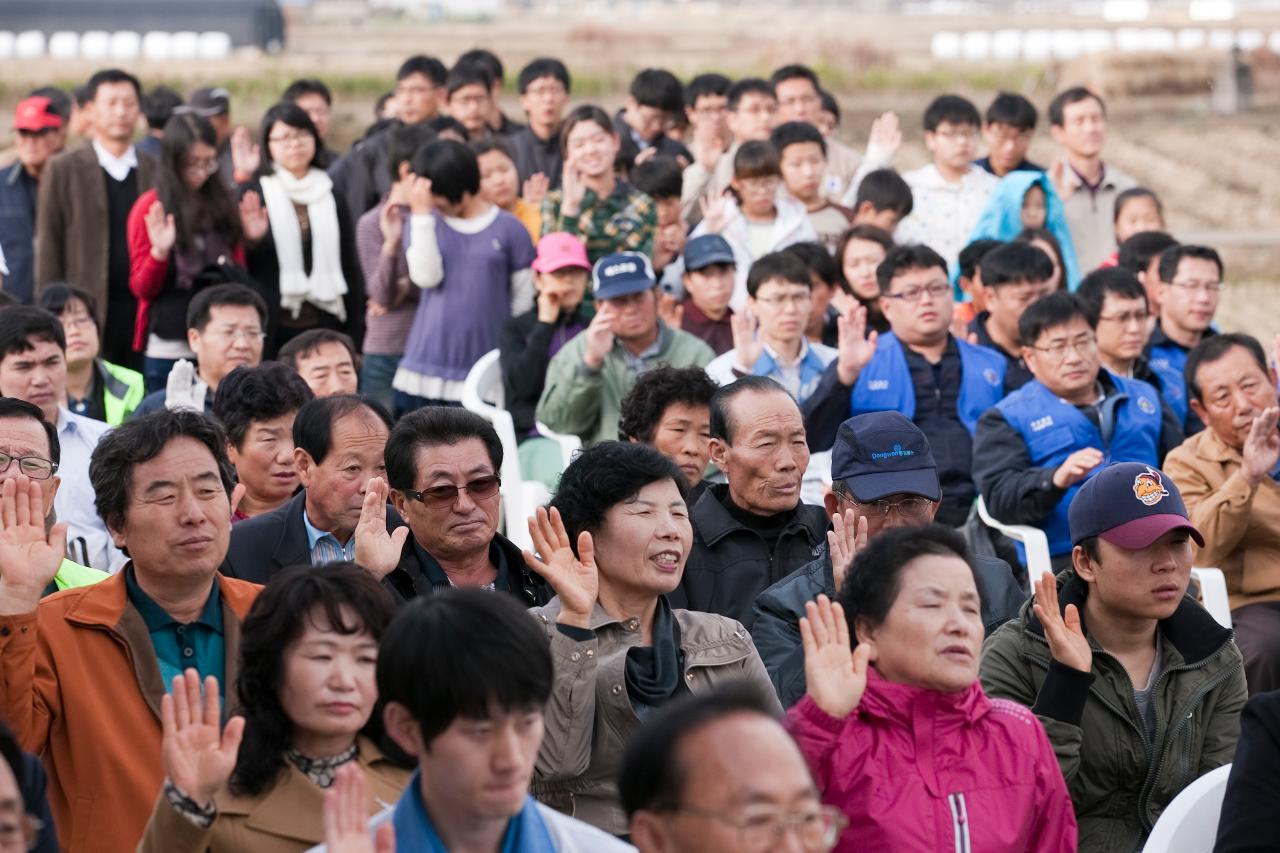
(559, 250)
(35, 114)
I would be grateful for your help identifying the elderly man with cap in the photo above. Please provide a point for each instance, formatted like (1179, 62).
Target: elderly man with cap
(35, 128)
(882, 476)
(588, 378)
(1139, 689)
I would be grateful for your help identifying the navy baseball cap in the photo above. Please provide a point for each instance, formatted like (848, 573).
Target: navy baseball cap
(1130, 505)
(883, 453)
(622, 274)
(707, 250)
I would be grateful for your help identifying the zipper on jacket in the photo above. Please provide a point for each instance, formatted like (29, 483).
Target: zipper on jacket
(959, 822)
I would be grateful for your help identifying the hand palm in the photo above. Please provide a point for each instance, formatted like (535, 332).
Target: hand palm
(832, 681)
(195, 761)
(29, 557)
(575, 581)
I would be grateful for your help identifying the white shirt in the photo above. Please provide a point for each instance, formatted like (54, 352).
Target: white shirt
(88, 541)
(800, 377)
(943, 213)
(117, 167)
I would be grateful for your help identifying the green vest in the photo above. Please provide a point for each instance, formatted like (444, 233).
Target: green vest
(122, 390)
(72, 574)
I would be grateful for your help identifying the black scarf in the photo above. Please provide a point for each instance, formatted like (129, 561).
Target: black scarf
(654, 673)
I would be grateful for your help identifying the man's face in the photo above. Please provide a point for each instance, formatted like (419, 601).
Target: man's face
(328, 370)
(753, 787)
(317, 108)
(767, 459)
(336, 484)
(904, 509)
(178, 519)
(38, 376)
(264, 460)
(35, 147)
(712, 111)
(1234, 390)
(648, 122)
(754, 118)
(683, 435)
(782, 307)
(464, 526)
(798, 101)
(1006, 145)
(232, 338)
(81, 332)
(1148, 583)
(1122, 327)
(803, 165)
(471, 105)
(1191, 299)
(21, 438)
(1084, 128)
(417, 98)
(1064, 358)
(919, 304)
(115, 111)
(952, 145)
(1006, 303)
(633, 317)
(710, 288)
(544, 101)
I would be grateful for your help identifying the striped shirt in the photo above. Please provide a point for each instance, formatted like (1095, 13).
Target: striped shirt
(325, 547)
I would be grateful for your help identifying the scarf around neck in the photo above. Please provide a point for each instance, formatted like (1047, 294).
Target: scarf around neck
(325, 286)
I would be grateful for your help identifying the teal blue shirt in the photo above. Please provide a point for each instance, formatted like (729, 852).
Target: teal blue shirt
(178, 647)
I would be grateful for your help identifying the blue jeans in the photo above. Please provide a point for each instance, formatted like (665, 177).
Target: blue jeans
(376, 373)
(155, 372)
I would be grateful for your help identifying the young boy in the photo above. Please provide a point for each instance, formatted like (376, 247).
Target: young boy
(661, 179)
(709, 271)
(883, 200)
(969, 280)
(544, 93)
(1013, 276)
(948, 194)
(470, 98)
(1140, 254)
(802, 156)
(653, 101)
(1009, 127)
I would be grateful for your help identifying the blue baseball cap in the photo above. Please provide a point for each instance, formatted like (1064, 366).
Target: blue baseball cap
(1130, 505)
(707, 250)
(883, 453)
(622, 274)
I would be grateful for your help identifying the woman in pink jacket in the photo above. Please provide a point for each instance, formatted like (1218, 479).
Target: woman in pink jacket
(898, 733)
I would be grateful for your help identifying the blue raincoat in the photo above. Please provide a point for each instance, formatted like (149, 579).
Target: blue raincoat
(1002, 218)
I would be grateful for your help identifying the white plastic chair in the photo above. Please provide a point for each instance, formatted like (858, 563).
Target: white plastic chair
(1213, 594)
(1033, 540)
(1189, 824)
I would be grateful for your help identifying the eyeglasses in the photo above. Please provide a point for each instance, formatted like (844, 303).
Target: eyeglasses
(447, 493)
(71, 320)
(760, 185)
(1126, 318)
(290, 138)
(1058, 351)
(233, 334)
(798, 101)
(1205, 286)
(202, 167)
(798, 299)
(762, 827)
(912, 507)
(937, 290)
(546, 91)
(964, 135)
(35, 467)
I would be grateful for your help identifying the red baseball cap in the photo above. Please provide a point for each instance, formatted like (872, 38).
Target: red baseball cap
(36, 114)
(559, 250)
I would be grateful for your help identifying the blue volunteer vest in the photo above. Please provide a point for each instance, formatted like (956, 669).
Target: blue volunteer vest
(885, 383)
(1173, 387)
(1053, 430)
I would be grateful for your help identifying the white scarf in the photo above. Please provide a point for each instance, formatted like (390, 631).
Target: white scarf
(325, 287)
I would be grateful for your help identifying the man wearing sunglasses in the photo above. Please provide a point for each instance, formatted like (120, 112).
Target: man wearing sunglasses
(883, 476)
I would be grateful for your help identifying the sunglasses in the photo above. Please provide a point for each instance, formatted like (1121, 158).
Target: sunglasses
(447, 493)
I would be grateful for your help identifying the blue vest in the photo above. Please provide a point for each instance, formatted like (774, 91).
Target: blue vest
(1174, 388)
(885, 383)
(1053, 430)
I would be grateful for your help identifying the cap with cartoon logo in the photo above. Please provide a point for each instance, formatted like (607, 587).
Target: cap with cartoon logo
(1130, 505)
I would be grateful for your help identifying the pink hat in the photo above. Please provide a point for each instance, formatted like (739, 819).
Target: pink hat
(559, 250)
(36, 114)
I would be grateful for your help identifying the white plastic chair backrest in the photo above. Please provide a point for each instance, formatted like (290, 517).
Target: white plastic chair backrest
(482, 394)
(569, 444)
(1189, 824)
(1213, 594)
(1033, 539)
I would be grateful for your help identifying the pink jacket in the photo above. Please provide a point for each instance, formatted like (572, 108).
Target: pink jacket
(919, 770)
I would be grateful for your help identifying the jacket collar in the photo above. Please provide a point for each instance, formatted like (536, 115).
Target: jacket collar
(896, 702)
(110, 382)
(1210, 446)
(713, 522)
(423, 568)
(293, 546)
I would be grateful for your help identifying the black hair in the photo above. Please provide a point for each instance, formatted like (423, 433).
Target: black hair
(20, 323)
(580, 114)
(200, 309)
(604, 475)
(830, 104)
(1015, 263)
(875, 578)
(428, 66)
(7, 299)
(59, 101)
(1171, 257)
(704, 85)
(486, 59)
(141, 439)
(1013, 110)
(1064, 99)
(378, 106)
(723, 426)
(1093, 290)
(442, 124)
(819, 261)
(657, 88)
(305, 344)
(869, 233)
(1049, 312)
(13, 408)
(110, 75)
(307, 86)
(403, 141)
(57, 295)
(952, 109)
(794, 133)
(749, 86)
(158, 105)
(468, 74)
(211, 209)
(1026, 235)
(340, 597)
(659, 177)
(795, 72)
(459, 653)
(291, 115)
(971, 255)
(451, 166)
(432, 426)
(652, 776)
(12, 754)
(756, 158)
(261, 393)
(782, 265)
(313, 425)
(1136, 192)
(82, 95)
(1215, 347)
(885, 189)
(543, 66)
(490, 144)
(656, 390)
(1136, 253)
(900, 259)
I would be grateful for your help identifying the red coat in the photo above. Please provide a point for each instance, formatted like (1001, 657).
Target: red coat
(919, 770)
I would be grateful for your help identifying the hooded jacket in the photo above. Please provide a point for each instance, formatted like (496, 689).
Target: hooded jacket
(921, 770)
(1001, 219)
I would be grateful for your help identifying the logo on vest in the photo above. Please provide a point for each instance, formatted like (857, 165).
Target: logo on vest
(1042, 423)
(1146, 405)
(878, 385)
(897, 451)
(1148, 487)
(993, 379)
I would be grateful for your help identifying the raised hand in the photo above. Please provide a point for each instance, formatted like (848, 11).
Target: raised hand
(535, 189)
(670, 310)
(1261, 448)
(253, 217)
(1058, 174)
(1062, 630)
(245, 153)
(847, 536)
(574, 579)
(855, 348)
(29, 557)
(573, 189)
(198, 753)
(346, 816)
(886, 135)
(599, 339)
(420, 200)
(1076, 467)
(646, 155)
(391, 224)
(747, 345)
(715, 212)
(184, 389)
(835, 676)
(708, 145)
(548, 305)
(377, 550)
(161, 230)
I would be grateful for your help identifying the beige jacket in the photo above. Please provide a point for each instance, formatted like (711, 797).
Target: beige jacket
(1241, 526)
(589, 717)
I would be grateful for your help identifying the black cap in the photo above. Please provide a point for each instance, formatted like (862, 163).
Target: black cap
(1130, 505)
(883, 453)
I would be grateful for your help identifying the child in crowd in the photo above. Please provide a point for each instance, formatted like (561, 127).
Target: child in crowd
(543, 85)
(500, 183)
(661, 178)
(1010, 124)
(655, 102)
(1027, 201)
(829, 117)
(802, 158)
(1138, 211)
(861, 250)
(824, 272)
(1047, 242)
(709, 269)
(883, 200)
(971, 296)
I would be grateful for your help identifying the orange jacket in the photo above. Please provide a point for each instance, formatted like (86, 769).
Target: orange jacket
(81, 686)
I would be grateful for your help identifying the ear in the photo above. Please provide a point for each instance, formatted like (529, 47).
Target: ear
(117, 536)
(632, 104)
(831, 503)
(933, 509)
(865, 209)
(1198, 408)
(719, 452)
(233, 455)
(1057, 133)
(406, 169)
(305, 465)
(1083, 566)
(648, 832)
(54, 483)
(400, 502)
(403, 729)
(866, 636)
(193, 341)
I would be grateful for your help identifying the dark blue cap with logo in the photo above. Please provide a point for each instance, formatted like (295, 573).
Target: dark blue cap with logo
(1130, 505)
(707, 250)
(883, 453)
(622, 274)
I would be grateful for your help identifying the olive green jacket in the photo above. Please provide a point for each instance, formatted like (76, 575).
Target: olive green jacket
(1119, 780)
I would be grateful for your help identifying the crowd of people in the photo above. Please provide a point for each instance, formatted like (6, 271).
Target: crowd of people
(257, 589)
